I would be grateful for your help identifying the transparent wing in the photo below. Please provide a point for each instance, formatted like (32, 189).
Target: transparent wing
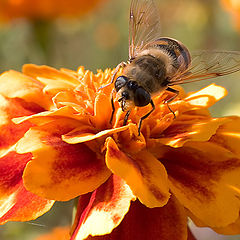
(208, 64)
(144, 25)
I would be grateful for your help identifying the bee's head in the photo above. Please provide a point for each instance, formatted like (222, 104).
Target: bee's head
(130, 94)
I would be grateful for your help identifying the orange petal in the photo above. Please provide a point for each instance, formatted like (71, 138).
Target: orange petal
(105, 210)
(17, 204)
(205, 178)
(228, 135)
(87, 133)
(10, 133)
(47, 116)
(17, 85)
(102, 110)
(46, 72)
(60, 171)
(58, 233)
(134, 142)
(145, 175)
(184, 131)
(231, 229)
(53, 80)
(141, 223)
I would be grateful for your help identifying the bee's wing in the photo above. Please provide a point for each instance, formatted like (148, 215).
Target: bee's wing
(144, 25)
(208, 64)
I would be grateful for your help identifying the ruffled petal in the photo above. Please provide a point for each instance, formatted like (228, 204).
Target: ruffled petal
(141, 223)
(53, 80)
(45, 72)
(204, 174)
(58, 170)
(104, 211)
(228, 135)
(182, 131)
(10, 133)
(16, 203)
(17, 85)
(145, 175)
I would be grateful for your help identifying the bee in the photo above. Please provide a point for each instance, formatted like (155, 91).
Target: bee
(157, 63)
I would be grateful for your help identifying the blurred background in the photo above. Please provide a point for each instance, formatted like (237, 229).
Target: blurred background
(94, 34)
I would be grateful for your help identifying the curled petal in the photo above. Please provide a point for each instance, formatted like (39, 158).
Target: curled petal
(107, 207)
(48, 116)
(204, 174)
(58, 170)
(87, 133)
(141, 223)
(145, 175)
(16, 203)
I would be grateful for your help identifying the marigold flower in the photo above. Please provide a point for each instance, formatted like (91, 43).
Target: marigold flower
(233, 7)
(58, 233)
(57, 143)
(45, 9)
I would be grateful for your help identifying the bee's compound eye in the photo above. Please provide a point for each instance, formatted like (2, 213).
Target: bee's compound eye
(120, 82)
(132, 85)
(141, 97)
(125, 95)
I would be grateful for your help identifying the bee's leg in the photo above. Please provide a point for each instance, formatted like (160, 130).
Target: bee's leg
(126, 117)
(171, 99)
(113, 107)
(145, 116)
(120, 65)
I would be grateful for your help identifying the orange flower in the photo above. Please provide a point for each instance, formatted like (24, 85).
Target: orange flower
(58, 233)
(57, 143)
(45, 9)
(233, 7)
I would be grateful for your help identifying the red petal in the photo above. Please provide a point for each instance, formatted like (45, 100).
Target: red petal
(141, 223)
(105, 210)
(10, 133)
(17, 204)
(205, 178)
(59, 170)
(145, 175)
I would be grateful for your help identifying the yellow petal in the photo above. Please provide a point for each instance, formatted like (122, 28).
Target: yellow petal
(145, 175)
(205, 178)
(207, 96)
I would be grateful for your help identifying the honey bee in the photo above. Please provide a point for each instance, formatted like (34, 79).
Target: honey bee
(156, 63)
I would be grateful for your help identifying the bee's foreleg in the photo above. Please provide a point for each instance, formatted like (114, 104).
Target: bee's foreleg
(176, 92)
(126, 117)
(113, 107)
(145, 116)
(120, 65)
